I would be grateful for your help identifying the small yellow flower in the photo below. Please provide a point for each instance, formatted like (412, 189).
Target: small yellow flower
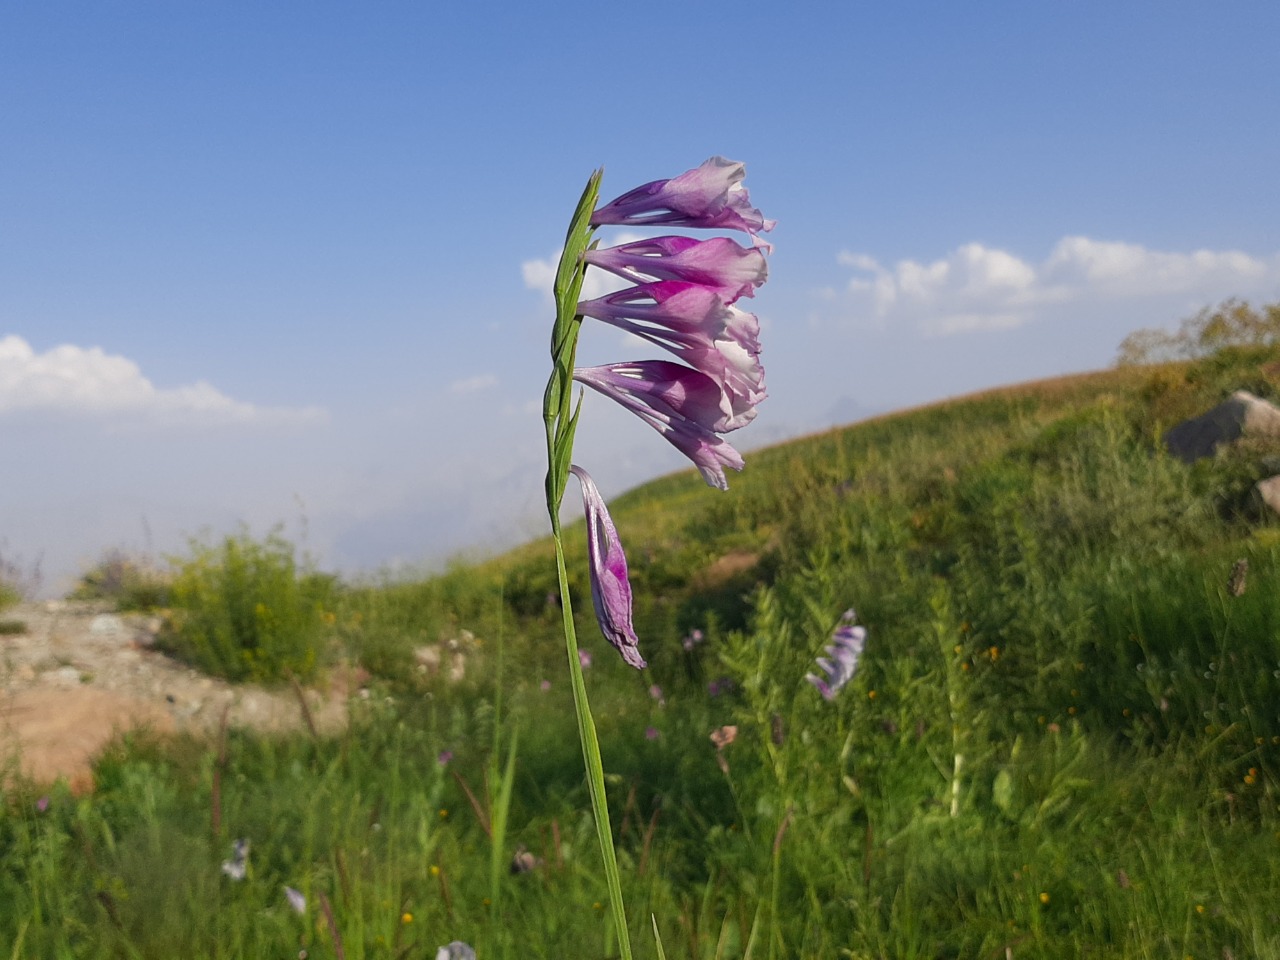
(1044, 897)
(871, 694)
(435, 870)
(406, 917)
(443, 813)
(597, 905)
(1250, 779)
(487, 902)
(1071, 710)
(1124, 712)
(958, 649)
(965, 666)
(994, 654)
(329, 618)
(1199, 908)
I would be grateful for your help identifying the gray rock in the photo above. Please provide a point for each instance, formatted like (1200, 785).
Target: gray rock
(1268, 492)
(1240, 415)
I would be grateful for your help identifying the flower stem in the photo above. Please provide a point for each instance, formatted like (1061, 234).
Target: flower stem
(591, 755)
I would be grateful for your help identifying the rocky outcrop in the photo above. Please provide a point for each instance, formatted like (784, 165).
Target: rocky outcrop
(1240, 415)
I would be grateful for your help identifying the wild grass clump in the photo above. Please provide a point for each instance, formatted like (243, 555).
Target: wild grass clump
(129, 583)
(243, 609)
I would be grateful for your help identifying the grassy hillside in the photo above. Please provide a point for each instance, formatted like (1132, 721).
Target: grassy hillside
(1063, 739)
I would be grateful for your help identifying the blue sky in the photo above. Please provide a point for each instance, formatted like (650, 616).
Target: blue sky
(278, 263)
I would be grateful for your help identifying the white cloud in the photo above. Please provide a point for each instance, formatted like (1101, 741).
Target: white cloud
(976, 287)
(540, 275)
(474, 384)
(90, 382)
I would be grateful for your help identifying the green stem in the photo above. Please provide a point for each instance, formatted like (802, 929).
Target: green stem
(591, 755)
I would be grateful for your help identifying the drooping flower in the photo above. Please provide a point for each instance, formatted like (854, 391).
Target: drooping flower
(610, 588)
(685, 406)
(710, 196)
(726, 267)
(845, 648)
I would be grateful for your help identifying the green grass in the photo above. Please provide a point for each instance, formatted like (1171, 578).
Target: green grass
(1063, 740)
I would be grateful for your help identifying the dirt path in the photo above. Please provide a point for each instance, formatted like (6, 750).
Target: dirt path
(81, 674)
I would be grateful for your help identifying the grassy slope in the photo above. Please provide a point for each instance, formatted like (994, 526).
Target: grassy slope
(1063, 739)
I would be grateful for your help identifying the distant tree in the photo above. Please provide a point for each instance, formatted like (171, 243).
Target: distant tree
(1232, 323)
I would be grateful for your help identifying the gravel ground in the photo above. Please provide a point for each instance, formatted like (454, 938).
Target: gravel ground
(81, 674)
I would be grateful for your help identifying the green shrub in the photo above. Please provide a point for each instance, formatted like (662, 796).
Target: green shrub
(243, 610)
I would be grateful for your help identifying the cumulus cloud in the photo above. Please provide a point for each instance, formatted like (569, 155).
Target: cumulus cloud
(976, 287)
(90, 382)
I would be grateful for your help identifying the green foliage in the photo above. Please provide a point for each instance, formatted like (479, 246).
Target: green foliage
(243, 610)
(1064, 738)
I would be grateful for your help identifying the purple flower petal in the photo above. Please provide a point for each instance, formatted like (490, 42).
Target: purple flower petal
(728, 268)
(845, 650)
(683, 405)
(692, 321)
(610, 588)
(708, 196)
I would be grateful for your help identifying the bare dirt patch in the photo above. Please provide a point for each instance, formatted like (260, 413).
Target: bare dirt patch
(80, 675)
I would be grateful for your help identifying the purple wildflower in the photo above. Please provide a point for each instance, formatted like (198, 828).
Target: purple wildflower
(652, 733)
(584, 658)
(444, 757)
(709, 196)
(845, 648)
(610, 588)
(655, 692)
(729, 269)
(682, 404)
(43, 803)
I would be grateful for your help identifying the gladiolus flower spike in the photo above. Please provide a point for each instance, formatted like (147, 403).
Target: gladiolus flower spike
(845, 649)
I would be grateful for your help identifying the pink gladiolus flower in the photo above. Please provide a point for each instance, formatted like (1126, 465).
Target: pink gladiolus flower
(610, 588)
(709, 196)
(685, 406)
(728, 268)
(691, 321)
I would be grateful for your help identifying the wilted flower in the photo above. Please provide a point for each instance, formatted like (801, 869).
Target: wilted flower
(455, 951)
(296, 900)
(523, 861)
(708, 196)
(722, 738)
(729, 269)
(236, 867)
(845, 649)
(610, 589)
